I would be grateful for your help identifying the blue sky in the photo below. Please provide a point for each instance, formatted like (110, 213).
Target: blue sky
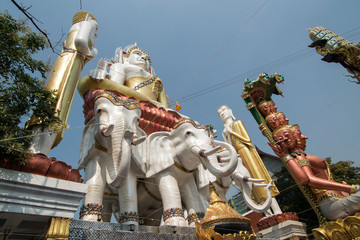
(198, 44)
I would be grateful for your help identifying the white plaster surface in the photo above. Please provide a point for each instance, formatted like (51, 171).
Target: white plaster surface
(284, 230)
(26, 193)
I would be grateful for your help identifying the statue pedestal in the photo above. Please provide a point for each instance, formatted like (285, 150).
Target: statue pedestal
(290, 229)
(29, 201)
(101, 230)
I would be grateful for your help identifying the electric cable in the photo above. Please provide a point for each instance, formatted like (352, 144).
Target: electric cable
(223, 46)
(294, 57)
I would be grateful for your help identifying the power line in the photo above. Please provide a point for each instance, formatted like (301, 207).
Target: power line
(223, 46)
(294, 57)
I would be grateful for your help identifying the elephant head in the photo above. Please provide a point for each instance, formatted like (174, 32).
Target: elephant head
(189, 145)
(240, 177)
(113, 130)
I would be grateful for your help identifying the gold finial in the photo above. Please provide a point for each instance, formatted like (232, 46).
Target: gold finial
(81, 16)
(214, 197)
(222, 222)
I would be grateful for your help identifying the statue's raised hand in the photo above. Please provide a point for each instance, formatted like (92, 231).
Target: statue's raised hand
(278, 150)
(99, 74)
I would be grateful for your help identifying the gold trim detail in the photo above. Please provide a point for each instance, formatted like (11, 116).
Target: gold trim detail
(109, 194)
(58, 229)
(250, 106)
(150, 193)
(181, 168)
(80, 16)
(348, 228)
(188, 120)
(303, 162)
(129, 103)
(220, 185)
(286, 158)
(245, 95)
(101, 148)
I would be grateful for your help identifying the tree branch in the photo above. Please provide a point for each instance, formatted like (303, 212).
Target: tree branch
(31, 18)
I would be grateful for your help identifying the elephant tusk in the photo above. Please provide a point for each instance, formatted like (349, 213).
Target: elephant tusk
(204, 153)
(106, 131)
(137, 140)
(223, 159)
(256, 180)
(259, 185)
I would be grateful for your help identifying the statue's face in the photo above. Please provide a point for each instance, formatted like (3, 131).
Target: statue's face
(264, 109)
(273, 107)
(287, 138)
(300, 138)
(267, 108)
(282, 118)
(140, 59)
(224, 113)
(273, 122)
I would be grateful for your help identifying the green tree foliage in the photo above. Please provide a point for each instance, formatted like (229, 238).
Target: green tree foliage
(21, 90)
(291, 198)
(344, 171)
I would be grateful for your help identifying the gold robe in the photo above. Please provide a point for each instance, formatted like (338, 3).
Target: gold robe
(63, 79)
(150, 87)
(242, 143)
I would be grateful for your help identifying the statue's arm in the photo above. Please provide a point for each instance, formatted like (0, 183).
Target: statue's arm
(163, 98)
(305, 176)
(245, 139)
(84, 40)
(226, 136)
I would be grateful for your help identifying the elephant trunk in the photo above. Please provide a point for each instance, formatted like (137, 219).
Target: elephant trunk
(259, 208)
(216, 168)
(118, 163)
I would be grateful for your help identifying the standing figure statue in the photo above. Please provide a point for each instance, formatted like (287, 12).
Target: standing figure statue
(78, 49)
(332, 198)
(235, 133)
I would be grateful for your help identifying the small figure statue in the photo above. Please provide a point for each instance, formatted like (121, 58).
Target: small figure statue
(235, 133)
(78, 49)
(332, 198)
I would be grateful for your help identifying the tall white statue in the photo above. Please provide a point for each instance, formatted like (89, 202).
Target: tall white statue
(77, 50)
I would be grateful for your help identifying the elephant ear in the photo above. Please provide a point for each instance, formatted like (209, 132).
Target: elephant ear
(204, 177)
(159, 151)
(87, 142)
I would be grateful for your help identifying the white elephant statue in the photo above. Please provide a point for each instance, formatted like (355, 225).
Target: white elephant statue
(171, 158)
(105, 153)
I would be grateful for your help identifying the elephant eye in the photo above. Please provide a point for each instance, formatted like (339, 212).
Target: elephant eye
(188, 133)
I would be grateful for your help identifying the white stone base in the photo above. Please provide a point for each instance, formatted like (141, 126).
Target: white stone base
(284, 230)
(26, 193)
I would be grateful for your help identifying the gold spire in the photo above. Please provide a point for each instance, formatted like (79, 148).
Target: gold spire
(222, 222)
